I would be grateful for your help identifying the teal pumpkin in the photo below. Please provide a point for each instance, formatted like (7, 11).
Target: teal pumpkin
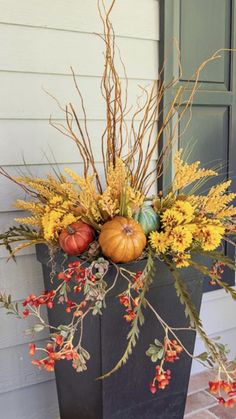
(148, 219)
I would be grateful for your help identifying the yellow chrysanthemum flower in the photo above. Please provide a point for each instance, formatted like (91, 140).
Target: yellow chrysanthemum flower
(171, 218)
(182, 260)
(181, 238)
(159, 241)
(210, 235)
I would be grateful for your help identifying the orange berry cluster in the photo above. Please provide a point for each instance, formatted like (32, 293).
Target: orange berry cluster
(171, 353)
(32, 300)
(161, 379)
(129, 304)
(217, 270)
(77, 272)
(55, 351)
(128, 301)
(79, 275)
(172, 350)
(138, 281)
(229, 389)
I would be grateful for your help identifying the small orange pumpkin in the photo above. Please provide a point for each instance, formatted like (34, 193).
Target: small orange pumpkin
(75, 239)
(122, 239)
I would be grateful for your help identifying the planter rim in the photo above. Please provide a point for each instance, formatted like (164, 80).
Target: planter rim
(162, 278)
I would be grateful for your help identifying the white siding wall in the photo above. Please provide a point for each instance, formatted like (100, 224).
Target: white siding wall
(40, 40)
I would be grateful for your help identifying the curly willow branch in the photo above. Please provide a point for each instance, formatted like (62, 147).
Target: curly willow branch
(138, 144)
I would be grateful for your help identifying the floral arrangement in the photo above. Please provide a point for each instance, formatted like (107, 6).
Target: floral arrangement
(110, 218)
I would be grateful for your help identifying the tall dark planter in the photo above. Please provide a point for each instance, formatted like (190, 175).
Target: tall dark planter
(126, 394)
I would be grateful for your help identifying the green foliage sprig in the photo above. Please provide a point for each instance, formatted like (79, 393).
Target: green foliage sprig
(7, 304)
(192, 314)
(205, 271)
(19, 233)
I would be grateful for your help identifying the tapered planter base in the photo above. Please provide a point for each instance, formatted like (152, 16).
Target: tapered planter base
(125, 394)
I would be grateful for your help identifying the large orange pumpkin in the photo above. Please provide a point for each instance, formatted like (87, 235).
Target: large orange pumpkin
(75, 239)
(122, 239)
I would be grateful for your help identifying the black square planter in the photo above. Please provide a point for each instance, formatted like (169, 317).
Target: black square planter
(125, 394)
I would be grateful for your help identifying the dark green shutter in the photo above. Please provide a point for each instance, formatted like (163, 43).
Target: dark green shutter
(201, 27)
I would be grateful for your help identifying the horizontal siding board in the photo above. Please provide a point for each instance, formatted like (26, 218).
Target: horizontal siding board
(80, 15)
(48, 51)
(13, 331)
(217, 314)
(37, 142)
(22, 277)
(4, 254)
(16, 370)
(37, 402)
(7, 218)
(27, 99)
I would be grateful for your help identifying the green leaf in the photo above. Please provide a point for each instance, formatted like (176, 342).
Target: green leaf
(85, 353)
(155, 351)
(151, 350)
(154, 358)
(203, 356)
(12, 308)
(63, 327)
(161, 353)
(63, 289)
(38, 327)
